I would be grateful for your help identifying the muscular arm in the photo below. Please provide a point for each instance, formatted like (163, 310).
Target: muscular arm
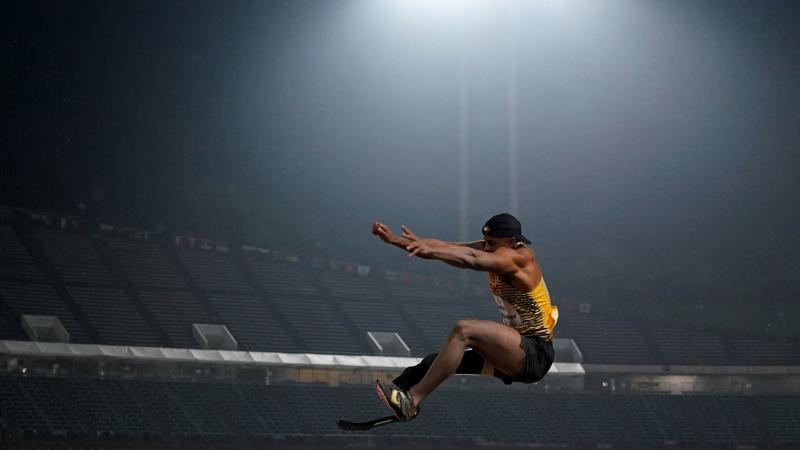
(404, 243)
(436, 243)
(387, 236)
(477, 245)
(401, 242)
(499, 261)
(521, 265)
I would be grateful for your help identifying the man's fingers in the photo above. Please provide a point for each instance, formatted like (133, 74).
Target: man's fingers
(381, 230)
(413, 249)
(408, 234)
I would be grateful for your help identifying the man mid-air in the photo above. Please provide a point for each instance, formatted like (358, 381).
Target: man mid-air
(518, 350)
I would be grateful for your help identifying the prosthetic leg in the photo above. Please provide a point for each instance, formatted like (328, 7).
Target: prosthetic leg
(472, 363)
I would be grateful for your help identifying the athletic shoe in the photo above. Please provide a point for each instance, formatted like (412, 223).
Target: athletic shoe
(398, 401)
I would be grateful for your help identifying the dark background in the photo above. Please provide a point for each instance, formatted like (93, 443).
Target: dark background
(658, 141)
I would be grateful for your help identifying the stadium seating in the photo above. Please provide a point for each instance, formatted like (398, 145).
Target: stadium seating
(609, 341)
(688, 347)
(214, 271)
(175, 312)
(314, 319)
(132, 292)
(113, 291)
(759, 352)
(34, 298)
(15, 263)
(74, 258)
(7, 330)
(281, 278)
(367, 306)
(252, 323)
(781, 416)
(146, 265)
(114, 316)
(214, 412)
(433, 311)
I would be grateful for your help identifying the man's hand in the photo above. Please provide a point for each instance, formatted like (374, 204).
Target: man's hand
(410, 242)
(416, 246)
(419, 248)
(384, 232)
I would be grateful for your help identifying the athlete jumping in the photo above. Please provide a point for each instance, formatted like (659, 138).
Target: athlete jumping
(520, 349)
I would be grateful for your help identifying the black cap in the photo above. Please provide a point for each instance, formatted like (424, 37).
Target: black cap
(504, 225)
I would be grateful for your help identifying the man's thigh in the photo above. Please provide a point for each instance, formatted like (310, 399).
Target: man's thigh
(498, 343)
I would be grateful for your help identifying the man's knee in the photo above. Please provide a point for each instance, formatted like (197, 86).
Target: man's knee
(463, 330)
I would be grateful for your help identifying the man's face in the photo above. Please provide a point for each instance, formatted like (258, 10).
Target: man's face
(491, 244)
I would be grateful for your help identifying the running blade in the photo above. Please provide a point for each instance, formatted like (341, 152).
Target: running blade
(366, 426)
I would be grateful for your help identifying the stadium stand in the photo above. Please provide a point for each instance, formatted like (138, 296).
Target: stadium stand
(781, 416)
(114, 316)
(368, 307)
(53, 407)
(147, 266)
(280, 278)
(252, 322)
(610, 341)
(688, 347)
(175, 312)
(434, 311)
(312, 316)
(123, 300)
(214, 271)
(33, 298)
(15, 263)
(6, 330)
(74, 258)
(758, 352)
(109, 290)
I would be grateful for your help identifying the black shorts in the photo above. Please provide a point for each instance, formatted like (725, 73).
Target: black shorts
(539, 356)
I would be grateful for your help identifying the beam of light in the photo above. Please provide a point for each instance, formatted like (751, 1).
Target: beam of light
(441, 5)
(442, 10)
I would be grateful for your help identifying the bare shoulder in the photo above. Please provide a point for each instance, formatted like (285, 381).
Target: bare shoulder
(520, 267)
(529, 274)
(522, 256)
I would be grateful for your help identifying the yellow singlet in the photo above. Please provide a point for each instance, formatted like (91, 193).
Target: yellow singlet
(530, 313)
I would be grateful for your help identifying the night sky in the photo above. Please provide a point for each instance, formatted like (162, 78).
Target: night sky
(657, 141)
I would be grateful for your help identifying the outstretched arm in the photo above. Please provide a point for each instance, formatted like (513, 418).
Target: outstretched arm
(499, 261)
(502, 260)
(385, 233)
